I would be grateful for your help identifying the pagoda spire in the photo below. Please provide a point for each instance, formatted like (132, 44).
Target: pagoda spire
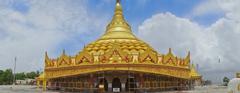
(118, 27)
(118, 19)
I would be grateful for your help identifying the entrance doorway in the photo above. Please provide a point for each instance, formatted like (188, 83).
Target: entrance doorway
(131, 84)
(103, 81)
(116, 85)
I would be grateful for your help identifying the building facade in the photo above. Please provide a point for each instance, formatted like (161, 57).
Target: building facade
(118, 62)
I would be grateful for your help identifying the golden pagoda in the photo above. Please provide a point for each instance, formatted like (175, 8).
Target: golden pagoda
(118, 62)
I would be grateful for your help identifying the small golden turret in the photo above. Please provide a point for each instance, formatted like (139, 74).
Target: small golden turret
(193, 72)
(238, 75)
(46, 55)
(47, 59)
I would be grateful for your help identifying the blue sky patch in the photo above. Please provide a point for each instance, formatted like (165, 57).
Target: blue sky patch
(21, 6)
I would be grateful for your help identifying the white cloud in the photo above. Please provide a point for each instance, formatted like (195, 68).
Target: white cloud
(207, 44)
(229, 7)
(45, 25)
(211, 6)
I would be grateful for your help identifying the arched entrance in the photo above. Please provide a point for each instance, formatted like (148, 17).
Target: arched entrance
(57, 86)
(131, 84)
(103, 81)
(116, 85)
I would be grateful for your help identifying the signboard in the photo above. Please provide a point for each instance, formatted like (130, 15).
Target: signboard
(116, 89)
(101, 86)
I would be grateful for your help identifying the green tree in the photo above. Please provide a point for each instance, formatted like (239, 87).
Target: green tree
(31, 75)
(1, 72)
(1, 77)
(7, 77)
(20, 76)
(225, 81)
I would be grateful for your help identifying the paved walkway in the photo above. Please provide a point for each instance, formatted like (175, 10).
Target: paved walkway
(33, 89)
(204, 89)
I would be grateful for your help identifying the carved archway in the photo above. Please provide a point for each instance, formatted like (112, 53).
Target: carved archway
(104, 82)
(116, 85)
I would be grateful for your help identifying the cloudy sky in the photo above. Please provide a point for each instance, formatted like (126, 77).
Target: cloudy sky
(210, 29)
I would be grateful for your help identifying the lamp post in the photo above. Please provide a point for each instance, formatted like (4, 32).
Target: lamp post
(14, 69)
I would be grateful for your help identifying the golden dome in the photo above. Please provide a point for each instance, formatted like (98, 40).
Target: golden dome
(118, 33)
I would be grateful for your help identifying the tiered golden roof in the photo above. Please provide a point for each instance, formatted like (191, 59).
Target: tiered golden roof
(118, 34)
(119, 49)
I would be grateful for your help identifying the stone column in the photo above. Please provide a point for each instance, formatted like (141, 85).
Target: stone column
(141, 79)
(91, 81)
(44, 87)
(123, 85)
(123, 80)
(110, 86)
(109, 80)
(38, 83)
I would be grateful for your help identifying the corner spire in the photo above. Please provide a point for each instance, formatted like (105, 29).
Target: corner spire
(47, 59)
(188, 55)
(46, 55)
(193, 66)
(193, 72)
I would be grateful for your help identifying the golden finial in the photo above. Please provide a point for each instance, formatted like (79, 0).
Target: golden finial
(118, 1)
(170, 50)
(64, 52)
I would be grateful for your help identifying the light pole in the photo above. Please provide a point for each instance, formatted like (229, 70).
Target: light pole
(14, 69)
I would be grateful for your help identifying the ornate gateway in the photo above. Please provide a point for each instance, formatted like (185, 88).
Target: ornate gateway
(118, 61)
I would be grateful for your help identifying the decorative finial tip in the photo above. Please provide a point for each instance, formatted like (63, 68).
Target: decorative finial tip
(118, 1)
(46, 54)
(170, 49)
(64, 51)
